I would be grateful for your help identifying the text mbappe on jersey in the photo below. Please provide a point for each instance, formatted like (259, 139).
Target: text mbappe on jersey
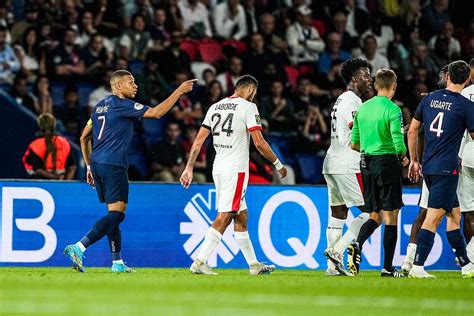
(226, 106)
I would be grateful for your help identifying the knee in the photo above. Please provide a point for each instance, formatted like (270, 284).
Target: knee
(377, 217)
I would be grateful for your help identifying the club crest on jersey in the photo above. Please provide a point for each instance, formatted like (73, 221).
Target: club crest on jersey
(257, 119)
(138, 106)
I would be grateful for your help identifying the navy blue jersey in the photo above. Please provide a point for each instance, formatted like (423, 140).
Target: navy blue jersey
(445, 115)
(112, 129)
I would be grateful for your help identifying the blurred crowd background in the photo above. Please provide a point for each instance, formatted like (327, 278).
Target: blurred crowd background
(56, 56)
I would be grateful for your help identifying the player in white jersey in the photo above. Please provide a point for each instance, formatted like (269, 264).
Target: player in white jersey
(231, 121)
(341, 166)
(465, 189)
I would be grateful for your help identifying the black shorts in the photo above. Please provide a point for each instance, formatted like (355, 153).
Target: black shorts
(442, 191)
(111, 182)
(382, 181)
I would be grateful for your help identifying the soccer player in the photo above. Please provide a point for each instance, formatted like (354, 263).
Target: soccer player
(446, 114)
(110, 129)
(378, 134)
(423, 203)
(466, 178)
(341, 166)
(231, 121)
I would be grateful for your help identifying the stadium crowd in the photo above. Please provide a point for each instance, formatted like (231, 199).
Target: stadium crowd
(57, 56)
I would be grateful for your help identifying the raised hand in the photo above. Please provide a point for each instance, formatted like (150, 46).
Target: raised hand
(187, 86)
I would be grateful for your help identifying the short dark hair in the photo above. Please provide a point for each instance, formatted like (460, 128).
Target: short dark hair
(245, 81)
(118, 74)
(471, 63)
(444, 70)
(350, 67)
(459, 71)
(385, 78)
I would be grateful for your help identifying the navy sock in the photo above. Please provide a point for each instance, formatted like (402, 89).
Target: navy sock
(366, 231)
(423, 246)
(102, 227)
(115, 241)
(389, 243)
(459, 246)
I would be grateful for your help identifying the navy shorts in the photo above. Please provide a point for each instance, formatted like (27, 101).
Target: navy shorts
(442, 191)
(111, 182)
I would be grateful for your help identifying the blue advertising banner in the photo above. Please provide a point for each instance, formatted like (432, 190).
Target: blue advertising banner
(165, 226)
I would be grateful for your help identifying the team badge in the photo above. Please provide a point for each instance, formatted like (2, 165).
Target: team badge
(138, 106)
(257, 119)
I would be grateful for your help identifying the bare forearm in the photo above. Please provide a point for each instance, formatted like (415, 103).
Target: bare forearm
(266, 151)
(46, 174)
(413, 144)
(193, 154)
(86, 149)
(163, 108)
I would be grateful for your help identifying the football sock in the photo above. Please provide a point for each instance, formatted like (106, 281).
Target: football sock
(366, 231)
(81, 246)
(351, 234)
(470, 250)
(246, 247)
(119, 261)
(212, 239)
(423, 246)
(389, 243)
(411, 251)
(115, 243)
(102, 227)
(456, 241)
(334, 230)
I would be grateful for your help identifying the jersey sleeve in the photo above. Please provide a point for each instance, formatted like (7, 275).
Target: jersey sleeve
(396, 129)
(355, 136)
(348, 113)
(128, 108)
(470, 116)
(419, 111)
(206, 123)
(252, 119)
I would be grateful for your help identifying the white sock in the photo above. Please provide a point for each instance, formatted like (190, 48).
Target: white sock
(470, 250)
(118, 261)
(81, 246)
(411, 252)
(352, 233)
(243, 240)
(212, 239)
(331, 265)
(334, 230)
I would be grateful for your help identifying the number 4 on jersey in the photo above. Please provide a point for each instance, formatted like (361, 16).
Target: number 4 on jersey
(438, 121)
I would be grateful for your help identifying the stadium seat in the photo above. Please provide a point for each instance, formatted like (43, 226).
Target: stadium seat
(137, 157)
(135, 66)
(310, 167)
(240, 47)
(153, 130)
(57, 93)
(84, 90)
(5, 87)
(189, 47)
(210, 51)
(292, 73)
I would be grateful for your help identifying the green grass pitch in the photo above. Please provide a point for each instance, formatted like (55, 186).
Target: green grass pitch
(62, 291)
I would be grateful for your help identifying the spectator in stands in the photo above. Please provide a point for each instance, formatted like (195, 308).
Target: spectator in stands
(229, 78)
(382, 32)
(213, 94)
(102, 90)
(9, 63)
(159, 31)
(142, 7)
(376, 60)
(48, 42)
(277, 109)
(302, 99)
(273, 41)
(30, 20)
(250, 16)
(50, 156)
(440, 54)
(332, 80)
(357, 18)
(71, 113)
(195, 19)
(256, 57)
(120, 63)
(174, 20)
(260, 169)
(86, 28)
(454, 47)
(6, 19)
(95, 57)
(168, 156)
(229, 20)
(199, 175)
(421, 58)
(208, 75)
(408, 19)
(108, 17)
(134, 43)
(30, 55)
(333, 52)
(153, 87)
(173, 58)
(66, 59)
(339, 22)
(433, 18)
(43, 95)
(187, 111)
(19, 92)
(313, 133)
(69, 15)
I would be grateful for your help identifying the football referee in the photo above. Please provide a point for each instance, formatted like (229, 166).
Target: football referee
(378, 134)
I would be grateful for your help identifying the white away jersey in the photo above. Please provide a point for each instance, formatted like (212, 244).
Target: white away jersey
(340, 158)
(466, 152)
(230, 121)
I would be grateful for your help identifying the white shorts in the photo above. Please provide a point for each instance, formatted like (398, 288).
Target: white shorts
(231, 188)
(425, 195)
(345, 189)
(466, 189)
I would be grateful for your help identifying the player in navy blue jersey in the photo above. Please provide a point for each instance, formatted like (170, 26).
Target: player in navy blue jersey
(110, 130)
(446, 114)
